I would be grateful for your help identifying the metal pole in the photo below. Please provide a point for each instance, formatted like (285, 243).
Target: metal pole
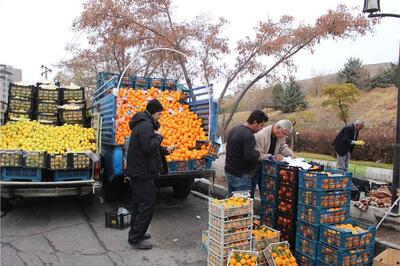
(396, 159)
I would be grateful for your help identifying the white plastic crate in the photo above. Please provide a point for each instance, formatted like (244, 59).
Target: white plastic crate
(220, 210)
(230, 222)
(268, 252)
(215, 259)
(234, 253)
(265, 241)
(222, 249)
(230, 235)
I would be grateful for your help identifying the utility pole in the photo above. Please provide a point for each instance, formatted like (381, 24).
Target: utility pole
(45, 70)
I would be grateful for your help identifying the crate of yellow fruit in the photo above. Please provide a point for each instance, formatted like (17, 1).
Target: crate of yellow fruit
(10, 158)
(263, 236)
(233, 206)
(278, 254)
(350, 234)
(242, 258)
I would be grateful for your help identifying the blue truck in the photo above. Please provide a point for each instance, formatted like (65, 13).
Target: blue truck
(200, 101)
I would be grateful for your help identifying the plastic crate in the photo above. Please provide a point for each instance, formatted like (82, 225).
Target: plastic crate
(21, 174)
(74, 174)
(269, 196)
(267, 208)
(48, 94)
(288, 175)
(307, 230)
(263, 242)
(324, 199)
(224, 248)
(170, 84)
(79, 160)
(121, 221)
(220, 211)
(72, 115)
(215, 259)
(48, 119)
(34, 159)
(285, 223)
(57, 161)
(323, 181)
(269, 183)
(305, 260)
(229, 235)
(156, 83)
(318, 216)
(15, 116)
(345, 238)
(287, 193)
(10, 158)
(306, 246)
(201, 164)
(328, 255)
(20, 105)
(141, 83)
(230, 222)
(179, 166)
(213, 149)
(287, 207)
(20, 91)
(239, 255)
(270, 249)
(269, 220)
(270, 168)
(47, 107)
(73, 94)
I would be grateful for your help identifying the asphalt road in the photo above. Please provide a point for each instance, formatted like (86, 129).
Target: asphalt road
(62, 231)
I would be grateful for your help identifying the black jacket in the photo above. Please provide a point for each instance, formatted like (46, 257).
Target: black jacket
(146, 157)
(343, 140)
(241, 153)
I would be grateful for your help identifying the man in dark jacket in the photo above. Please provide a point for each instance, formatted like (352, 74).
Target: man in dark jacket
(144, 163)
(241, 154)
(345, 141)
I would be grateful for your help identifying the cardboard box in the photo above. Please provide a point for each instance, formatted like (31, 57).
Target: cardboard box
(387, 258)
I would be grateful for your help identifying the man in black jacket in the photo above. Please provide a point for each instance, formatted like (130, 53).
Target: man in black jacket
(144, 163)
(345, 141)
(241, 153)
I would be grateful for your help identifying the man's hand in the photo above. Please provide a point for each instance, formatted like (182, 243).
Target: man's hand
(359, 142)
(171, 148)
(278, 157)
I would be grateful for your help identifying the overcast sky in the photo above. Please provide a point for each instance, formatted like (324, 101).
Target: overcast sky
(36, 32)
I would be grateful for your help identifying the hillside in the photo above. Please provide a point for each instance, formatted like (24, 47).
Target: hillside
(376, 107)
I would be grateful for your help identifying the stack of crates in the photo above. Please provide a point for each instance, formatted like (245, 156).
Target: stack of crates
(47, 100)
(261, 240)
(20, 102)
(230, 227)
(279, 198)
(324, 199)
(73, 108)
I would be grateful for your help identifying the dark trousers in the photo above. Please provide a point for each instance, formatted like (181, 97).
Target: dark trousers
(144, 202)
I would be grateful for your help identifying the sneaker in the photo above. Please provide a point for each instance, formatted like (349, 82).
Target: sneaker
(142, 245)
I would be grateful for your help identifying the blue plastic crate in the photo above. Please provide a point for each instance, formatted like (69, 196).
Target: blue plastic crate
(324, 199)
(305, 260)
(141, 83)
(21, 174)
(74, 174)
(270, 168)
(268, 220)
(306, 246)
(269, 183)
(328, 255)
(307, 230)
(201, 164)
(179, 166)
(270, 196)
(324, 181)
(318, 216)
(345, 239)
(156, 83)
(267, 209)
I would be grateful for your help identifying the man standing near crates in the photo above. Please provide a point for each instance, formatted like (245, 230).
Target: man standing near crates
(241, 153)
(271, 143)
(145, 161)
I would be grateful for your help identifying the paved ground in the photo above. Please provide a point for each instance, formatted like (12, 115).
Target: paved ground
(63, 232)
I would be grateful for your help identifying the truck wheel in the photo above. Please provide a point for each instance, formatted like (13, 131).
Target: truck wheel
(182, 188)
(6, 205)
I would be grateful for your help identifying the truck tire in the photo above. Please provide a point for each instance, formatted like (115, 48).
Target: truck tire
(182, 188)
(6, 205)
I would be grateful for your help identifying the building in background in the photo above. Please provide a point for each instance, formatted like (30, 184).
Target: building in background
(7, 74)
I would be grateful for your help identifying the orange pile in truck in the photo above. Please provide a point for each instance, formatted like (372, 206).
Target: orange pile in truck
(179, 126)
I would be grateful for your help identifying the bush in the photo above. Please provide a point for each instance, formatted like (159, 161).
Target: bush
(378, 148)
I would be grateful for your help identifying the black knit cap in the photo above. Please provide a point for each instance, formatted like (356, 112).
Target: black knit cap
(154, 106)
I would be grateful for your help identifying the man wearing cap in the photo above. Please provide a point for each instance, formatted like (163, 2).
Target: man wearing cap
(144, 162)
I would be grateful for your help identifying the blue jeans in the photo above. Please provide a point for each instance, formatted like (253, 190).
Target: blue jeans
(238, 183)
(256, 180)
(343, 162)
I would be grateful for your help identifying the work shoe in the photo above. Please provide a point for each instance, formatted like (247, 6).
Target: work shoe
(142, 245)
(146, 236)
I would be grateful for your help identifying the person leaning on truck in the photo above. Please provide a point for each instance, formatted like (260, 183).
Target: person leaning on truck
(271, 143)
(241, 153)
(145, 161)
(345, 141)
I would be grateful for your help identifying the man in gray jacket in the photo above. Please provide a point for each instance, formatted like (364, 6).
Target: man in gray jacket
(271, 143)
